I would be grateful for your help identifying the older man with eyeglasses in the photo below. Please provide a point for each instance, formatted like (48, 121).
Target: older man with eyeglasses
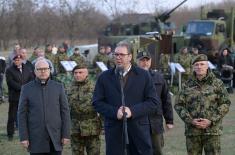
(44, 119)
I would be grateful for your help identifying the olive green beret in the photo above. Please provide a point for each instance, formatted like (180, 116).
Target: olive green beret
(80, 66)
(200, 57)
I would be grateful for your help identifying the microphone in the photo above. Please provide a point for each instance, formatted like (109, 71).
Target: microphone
(119, 71)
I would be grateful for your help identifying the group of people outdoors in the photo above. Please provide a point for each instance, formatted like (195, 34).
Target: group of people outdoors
(186, 56)
(48, 115)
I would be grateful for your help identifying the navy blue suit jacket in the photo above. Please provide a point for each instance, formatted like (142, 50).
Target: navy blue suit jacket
(140, 97)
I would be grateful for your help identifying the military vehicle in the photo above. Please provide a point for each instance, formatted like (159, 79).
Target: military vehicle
(144, 32)
(210, 34)
(88, 51)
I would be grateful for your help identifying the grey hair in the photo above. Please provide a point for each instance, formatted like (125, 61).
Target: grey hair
(40, 61)
(125, 44)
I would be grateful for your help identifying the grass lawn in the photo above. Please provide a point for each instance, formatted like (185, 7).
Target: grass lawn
(174, 139)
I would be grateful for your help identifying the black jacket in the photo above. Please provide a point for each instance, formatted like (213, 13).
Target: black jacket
(30, 66)
(2, 66)
(15, 79)
(156, 120)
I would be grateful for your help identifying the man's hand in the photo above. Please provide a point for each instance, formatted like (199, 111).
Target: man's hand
(204, 123)
(128, 112)
(65, 141)
(123, 110)
(25, 144)
(169, 126)
(120, 113)
(201, 123)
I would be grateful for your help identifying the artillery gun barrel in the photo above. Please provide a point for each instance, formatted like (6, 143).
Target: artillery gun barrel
(164, 16)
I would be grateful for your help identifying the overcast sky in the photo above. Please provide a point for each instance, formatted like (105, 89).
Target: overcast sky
(149, 6)
(146, 5)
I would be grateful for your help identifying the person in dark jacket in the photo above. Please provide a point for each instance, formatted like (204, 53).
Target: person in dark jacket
(156, 121)
(225, 59)
(140, 101)
(16, 76)
(24, 55)
(44, 116)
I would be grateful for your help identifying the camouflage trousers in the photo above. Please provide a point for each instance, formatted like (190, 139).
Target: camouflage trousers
(158, 143)
(210, 144)
(89, 143)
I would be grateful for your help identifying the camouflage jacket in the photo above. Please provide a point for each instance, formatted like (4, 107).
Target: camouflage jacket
(78, 59)
(102, 58)
(164, 60)
(50, 56)
(60, 57)
(185, 60)
(65, 79)
(84, 118)
(208, 99)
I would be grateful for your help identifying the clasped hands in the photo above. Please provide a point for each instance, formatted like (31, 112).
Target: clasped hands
(123, 110)
(201, 123)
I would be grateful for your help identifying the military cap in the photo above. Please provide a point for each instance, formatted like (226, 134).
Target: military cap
(79, 66)
(17, 56)
(200, 57)
(143, 54)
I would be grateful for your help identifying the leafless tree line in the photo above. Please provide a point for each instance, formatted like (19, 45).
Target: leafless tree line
(37, 22)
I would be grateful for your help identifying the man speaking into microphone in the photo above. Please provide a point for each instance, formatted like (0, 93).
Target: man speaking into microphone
(127, 92)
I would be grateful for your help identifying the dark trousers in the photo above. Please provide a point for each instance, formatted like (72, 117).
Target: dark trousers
(1, 85)
(52, 151)
(158, 143)
(12, 117)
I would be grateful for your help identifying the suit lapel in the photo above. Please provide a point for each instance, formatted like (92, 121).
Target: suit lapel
(130, 80)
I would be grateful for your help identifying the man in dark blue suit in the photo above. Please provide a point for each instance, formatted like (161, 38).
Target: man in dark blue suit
(140, 101)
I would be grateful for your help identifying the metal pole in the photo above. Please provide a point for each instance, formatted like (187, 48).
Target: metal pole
(124, 128)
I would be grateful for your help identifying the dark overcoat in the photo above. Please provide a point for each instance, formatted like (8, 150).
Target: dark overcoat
(140, 97)
(43, 114)
(156, 121)
(15, 79)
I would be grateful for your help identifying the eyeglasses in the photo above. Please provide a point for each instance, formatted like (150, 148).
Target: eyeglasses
(42, 69)
(120, 55)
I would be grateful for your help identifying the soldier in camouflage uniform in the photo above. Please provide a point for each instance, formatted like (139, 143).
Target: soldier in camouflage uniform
(100, 57)
(195, 52)
(48, 53)
(185, 59)
(77, 57)
(60, 56)
(201, 104)
(34, 54)
(164, 60)
(86, 125)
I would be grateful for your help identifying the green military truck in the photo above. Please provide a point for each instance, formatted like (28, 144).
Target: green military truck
(210, 34)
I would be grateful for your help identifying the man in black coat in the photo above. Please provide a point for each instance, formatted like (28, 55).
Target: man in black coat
(140, 101)
(44, 116)
(156, 121)
(16, 76)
